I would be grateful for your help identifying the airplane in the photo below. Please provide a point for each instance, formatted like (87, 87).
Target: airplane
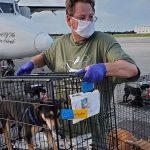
(20, 36)
(41, 5)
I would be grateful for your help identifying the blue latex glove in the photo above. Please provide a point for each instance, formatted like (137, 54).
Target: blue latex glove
(93, 73)
(25, 69)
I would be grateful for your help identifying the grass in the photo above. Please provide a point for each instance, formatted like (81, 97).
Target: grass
(131, 35)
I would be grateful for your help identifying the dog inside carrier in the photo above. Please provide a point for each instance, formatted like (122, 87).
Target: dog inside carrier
(137, 93)
(132, 113)
(57, 111)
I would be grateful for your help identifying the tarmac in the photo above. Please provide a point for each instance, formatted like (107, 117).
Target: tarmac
(139, 49)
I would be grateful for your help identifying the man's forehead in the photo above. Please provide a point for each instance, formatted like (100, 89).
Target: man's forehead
(83, 9)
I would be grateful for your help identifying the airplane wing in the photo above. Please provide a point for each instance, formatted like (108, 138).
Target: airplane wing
(43, 5)
(45, 8)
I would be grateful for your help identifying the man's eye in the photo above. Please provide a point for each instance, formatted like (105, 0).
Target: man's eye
(82, 19)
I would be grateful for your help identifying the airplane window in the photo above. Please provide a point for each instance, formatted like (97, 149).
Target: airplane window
(7, 7)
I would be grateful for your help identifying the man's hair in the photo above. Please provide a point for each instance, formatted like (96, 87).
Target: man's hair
(70, 4)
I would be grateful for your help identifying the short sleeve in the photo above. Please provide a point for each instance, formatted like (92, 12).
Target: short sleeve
(49, 57)
(115, 53)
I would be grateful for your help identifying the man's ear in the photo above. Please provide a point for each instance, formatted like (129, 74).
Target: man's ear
(68, 18)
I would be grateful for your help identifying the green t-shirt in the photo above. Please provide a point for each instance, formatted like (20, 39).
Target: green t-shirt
(65, 55)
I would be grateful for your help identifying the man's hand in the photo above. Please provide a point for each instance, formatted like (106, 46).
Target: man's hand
(94, 73)
(25, 69)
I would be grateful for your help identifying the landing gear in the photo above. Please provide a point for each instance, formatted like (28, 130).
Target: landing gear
(7, 69)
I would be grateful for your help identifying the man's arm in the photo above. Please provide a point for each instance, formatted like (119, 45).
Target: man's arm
(38, 61)
(121, 69)
(116, 63)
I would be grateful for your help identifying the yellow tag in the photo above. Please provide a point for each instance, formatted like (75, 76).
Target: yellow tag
(80, 113)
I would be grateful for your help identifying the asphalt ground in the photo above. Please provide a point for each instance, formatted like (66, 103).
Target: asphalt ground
(139, 49)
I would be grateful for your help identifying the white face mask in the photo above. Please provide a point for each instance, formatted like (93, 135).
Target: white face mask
(85, 28)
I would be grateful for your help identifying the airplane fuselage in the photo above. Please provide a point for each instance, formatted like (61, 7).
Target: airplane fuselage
(19, 36)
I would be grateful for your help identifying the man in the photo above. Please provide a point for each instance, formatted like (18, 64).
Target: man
(89, 52)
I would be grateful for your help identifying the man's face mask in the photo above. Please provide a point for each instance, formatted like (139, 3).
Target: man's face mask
(85, 28)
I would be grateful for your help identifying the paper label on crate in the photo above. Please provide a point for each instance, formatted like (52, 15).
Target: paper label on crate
(67, 114)
(80, 113)
(88, 100)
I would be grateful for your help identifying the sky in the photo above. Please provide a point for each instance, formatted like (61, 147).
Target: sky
(113, 15)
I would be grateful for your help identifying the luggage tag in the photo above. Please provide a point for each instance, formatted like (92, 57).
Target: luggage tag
(86, 103)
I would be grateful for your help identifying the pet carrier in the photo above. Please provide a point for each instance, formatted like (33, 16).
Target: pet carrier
(132, 111)
(31, 113)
